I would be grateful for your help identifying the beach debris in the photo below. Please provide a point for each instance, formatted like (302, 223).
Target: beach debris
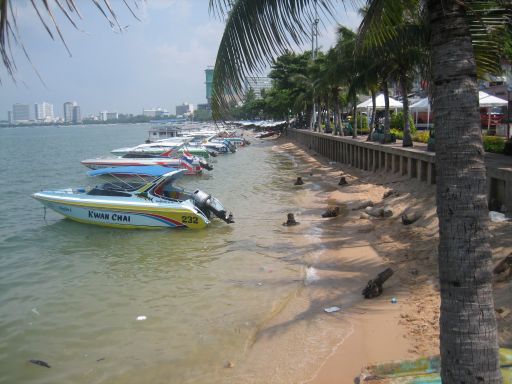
(504, 265)
(363, 205)
(379, 211)
(414, 272)
(291, 220)
(229, 364)
(394, 300)
(410, 216)
(332, 309)
(331, 212)
(343, 181)
(497, 217)
(299, 181)
(502, 312)
(34, 310)
(141, 318)
(41, 363)
(389, 193)
(364, 215)
(100, 359)
(374, 286)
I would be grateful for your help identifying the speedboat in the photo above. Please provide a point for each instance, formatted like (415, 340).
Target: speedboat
(162, 146)
(126, 203)
(219, 145)
(191, 164)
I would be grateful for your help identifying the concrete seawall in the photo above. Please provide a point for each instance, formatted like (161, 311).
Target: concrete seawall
(415, 163)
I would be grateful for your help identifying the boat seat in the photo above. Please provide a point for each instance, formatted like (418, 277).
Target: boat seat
(107, 192)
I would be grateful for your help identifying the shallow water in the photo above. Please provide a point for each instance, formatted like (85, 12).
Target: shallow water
(70, 293)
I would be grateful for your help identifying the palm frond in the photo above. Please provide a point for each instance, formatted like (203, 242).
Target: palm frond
(9, 33)
(255, 33)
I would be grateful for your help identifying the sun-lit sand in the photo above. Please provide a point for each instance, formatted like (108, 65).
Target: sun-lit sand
(301, 342)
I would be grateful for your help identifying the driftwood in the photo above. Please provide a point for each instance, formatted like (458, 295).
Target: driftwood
(331, 212)
(290, 220)
(374, 286)
(503, 265)
(299, 181)
(343, 181)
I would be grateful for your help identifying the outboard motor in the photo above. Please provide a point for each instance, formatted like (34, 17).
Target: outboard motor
(209, 204)
(205, 165)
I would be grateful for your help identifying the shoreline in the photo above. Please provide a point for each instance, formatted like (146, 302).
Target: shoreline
(302, 343)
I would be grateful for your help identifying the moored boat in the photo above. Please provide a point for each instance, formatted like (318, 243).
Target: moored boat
(191, 164)
(134, 204)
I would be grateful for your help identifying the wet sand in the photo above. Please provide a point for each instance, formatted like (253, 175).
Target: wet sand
(301, 342)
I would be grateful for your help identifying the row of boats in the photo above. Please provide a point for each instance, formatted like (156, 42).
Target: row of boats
(140, 190)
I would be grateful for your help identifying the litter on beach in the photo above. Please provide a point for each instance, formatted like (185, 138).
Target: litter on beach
(497, 217)
(140, 318)
(332, 309)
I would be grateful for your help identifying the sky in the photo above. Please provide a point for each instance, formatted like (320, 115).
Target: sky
(158, 61)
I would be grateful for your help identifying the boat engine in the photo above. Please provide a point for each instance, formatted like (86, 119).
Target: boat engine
(205, 165)
(209, 204)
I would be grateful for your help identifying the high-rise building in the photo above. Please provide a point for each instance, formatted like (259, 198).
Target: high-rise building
(68, 111)
(155, 112)
(209, 84)
(257, 84)
(20, 112)
(44, 111)
(77, 116)
(9, 117)
(184, 109)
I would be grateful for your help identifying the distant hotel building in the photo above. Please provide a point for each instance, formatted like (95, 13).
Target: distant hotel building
(184, 109)
(44, 111)
(209, 84)
(105, 115)
(72, 112)
(68, 112)
(155, 112)
(257, 84)
(20, 113)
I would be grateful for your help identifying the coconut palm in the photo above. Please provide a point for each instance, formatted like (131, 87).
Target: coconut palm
(462, 34)
(256, 30)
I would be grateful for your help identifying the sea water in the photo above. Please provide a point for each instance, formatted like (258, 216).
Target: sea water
(103, 305)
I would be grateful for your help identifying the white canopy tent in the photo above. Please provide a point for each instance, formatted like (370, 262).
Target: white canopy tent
(379, 104)
(421, 105)
(489, 101)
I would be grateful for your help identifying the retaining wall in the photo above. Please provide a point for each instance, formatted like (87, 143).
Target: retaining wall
(415, 163)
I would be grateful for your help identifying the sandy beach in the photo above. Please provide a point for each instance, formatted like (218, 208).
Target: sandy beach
(301, 342)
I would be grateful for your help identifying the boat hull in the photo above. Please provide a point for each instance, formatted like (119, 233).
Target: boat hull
(130, 215)
(190, 169)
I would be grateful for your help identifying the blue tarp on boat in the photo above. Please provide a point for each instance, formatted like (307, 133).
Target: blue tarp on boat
(150, 170)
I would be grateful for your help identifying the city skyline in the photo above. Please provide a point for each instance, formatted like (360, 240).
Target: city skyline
(156, 62)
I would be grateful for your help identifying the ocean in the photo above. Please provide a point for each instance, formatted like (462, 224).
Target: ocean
(71, 293)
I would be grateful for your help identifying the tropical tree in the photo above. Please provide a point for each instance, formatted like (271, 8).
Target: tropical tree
(405, 47)
(256, 30)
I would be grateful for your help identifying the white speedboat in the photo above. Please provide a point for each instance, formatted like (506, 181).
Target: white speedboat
(191, 164)
(133, 204)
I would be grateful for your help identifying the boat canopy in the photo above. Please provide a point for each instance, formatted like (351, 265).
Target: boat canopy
(150, 170)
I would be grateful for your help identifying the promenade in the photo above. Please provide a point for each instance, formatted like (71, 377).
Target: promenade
(415, 162)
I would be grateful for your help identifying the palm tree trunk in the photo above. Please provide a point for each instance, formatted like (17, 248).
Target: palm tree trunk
(407, 140)
(354, 126)
(338, 118)
(469, 347)
(374, 114)
(387, 135)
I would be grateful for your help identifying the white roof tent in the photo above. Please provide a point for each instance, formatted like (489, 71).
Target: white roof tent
(379, 103)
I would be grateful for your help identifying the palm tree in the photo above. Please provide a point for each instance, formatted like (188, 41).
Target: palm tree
(469, 348)
(461, 32)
